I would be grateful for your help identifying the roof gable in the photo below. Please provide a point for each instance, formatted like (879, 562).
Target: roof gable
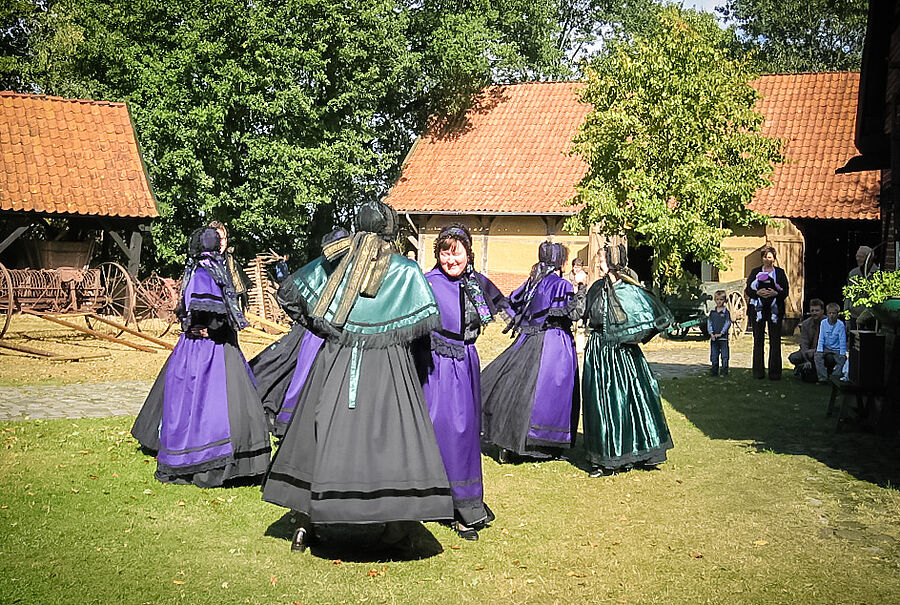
(71, 157)
(512, 154)
(815, 114)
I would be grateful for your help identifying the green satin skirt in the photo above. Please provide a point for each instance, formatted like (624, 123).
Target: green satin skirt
(624, 425)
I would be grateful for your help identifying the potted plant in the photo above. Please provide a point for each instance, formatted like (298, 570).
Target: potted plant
(881, 293)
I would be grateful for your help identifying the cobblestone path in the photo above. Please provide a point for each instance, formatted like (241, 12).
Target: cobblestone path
(97, 400)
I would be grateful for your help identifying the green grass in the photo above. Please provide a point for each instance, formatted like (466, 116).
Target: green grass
(760, 502)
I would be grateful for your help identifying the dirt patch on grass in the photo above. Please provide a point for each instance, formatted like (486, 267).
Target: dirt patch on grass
(119, 362)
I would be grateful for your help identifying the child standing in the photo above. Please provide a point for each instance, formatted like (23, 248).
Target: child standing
(832, 343)
(717, 324)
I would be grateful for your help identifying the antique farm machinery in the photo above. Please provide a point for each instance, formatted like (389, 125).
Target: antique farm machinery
(108, 299)
(691, 309)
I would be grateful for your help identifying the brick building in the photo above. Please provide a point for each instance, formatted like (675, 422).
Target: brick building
(506, 171)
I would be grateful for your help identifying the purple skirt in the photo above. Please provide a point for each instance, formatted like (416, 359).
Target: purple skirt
(204, 417)
(531, 399)
(453, 394)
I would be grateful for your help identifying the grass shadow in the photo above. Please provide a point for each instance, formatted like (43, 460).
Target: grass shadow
(364, 543)
(785, 417)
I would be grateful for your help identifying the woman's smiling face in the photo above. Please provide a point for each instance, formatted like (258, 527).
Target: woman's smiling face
(454, 259)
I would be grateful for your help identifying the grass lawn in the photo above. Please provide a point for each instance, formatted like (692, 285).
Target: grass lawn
(760, 502)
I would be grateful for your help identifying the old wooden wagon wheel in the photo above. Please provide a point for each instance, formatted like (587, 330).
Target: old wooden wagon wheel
(737, 307)
(114, 297)
(6, 299)
(154, 308)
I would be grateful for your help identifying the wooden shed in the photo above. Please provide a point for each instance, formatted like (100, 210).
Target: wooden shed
(69, 167)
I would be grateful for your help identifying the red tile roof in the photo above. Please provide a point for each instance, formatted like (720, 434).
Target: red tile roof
(512, 155)
(815, 114)
(73, 157)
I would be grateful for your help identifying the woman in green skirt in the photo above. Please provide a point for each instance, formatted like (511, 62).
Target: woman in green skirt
(624, 425)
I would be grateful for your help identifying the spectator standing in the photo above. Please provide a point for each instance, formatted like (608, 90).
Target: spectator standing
(804, 359)
(832, 345)
(717, 325)
(865, 267)
(772, 301)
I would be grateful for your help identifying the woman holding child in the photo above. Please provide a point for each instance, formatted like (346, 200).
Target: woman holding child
(767, 290)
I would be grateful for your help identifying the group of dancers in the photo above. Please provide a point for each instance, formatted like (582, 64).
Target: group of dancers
(376, 396)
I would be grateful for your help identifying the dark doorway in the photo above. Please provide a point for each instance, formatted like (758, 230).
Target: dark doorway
(831, 252)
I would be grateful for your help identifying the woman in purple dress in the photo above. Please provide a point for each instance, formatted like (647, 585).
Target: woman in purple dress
(452, 371)
(203, 415)
(530, 391)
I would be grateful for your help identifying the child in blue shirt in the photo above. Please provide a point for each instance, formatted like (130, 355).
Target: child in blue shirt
(717, 325)
(832, 343)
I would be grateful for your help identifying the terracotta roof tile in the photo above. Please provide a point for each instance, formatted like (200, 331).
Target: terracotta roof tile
(65, 156)
(511, 156)
(815, 113)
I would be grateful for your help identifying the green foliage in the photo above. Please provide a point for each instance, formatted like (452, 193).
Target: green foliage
(277, 118)
(800, 35)
(672, 143)
(873, 290)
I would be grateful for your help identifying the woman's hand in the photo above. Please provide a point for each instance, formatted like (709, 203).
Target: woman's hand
(766, 292)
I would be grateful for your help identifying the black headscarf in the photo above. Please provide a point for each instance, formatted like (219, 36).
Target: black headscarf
(551, 258)
(617, 261)
(471, 284)
(203, 251)
(364, 263)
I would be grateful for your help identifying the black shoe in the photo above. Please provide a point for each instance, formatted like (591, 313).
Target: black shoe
(714, 372)
(774, 376)
(505, 456)
(490, 517)
(300, 541)
(599, 471)
(469, 533)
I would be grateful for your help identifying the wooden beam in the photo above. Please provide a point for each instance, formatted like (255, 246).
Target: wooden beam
(93, 333)
(25, 349)
(134, 256)
(121, 242)
(133, 332)
(486, 222)
(266, 322)
(13, 236)
(411, 223)
(254, 332)
(51, 356)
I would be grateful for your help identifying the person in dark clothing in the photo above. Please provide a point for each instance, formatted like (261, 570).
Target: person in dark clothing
(242, 282)
(771, 313)
(804, 359)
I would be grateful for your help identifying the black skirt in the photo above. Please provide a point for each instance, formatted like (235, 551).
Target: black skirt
(377, 461)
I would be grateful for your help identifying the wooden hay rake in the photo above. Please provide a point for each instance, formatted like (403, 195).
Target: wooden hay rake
(106, 296)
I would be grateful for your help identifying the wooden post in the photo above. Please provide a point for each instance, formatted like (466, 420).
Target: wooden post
(134, 254)
(13, 237)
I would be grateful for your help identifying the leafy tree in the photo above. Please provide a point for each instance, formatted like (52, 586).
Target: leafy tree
(800, 35)
(672, 143)
(278, 117)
